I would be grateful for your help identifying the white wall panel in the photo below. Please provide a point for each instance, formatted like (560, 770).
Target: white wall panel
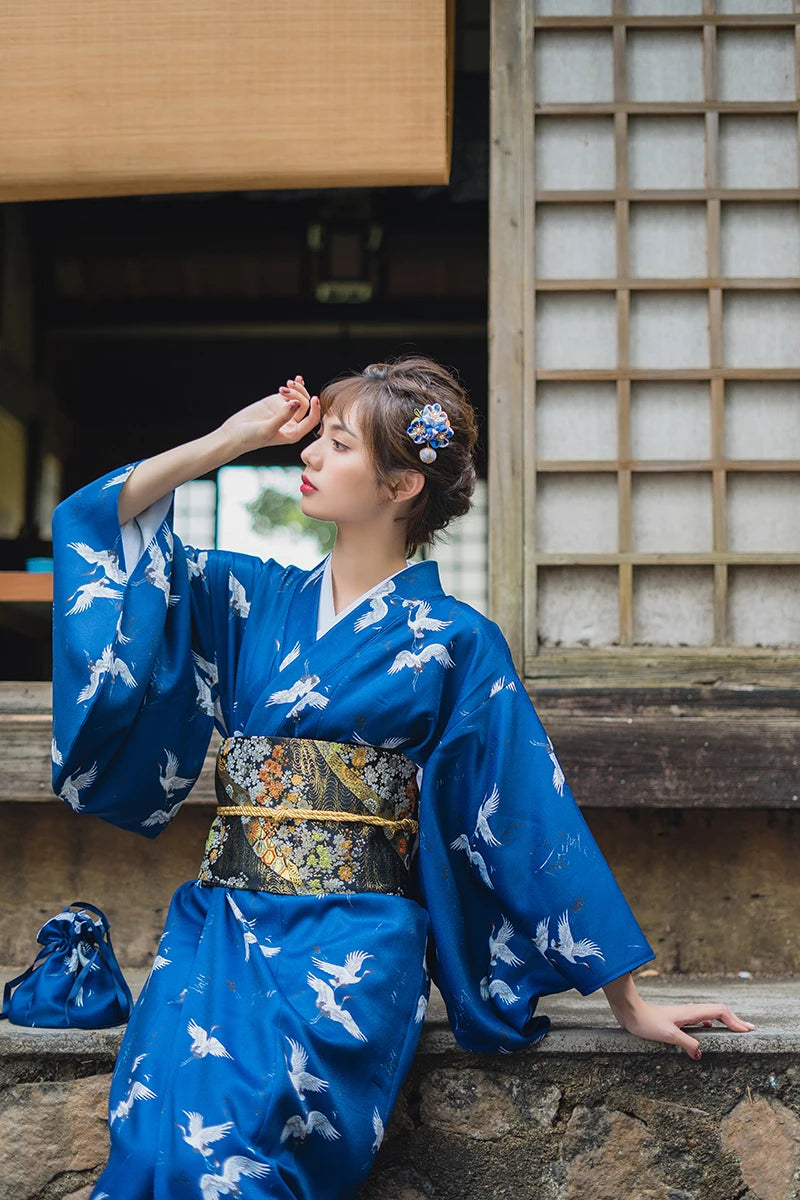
(662, 8)
(574, 152)
(753, 7)
(669, 329)
(573, 67)
(665, 65)
(576, 513)
(668, 241)
(673, 606)
(761, 329)
(762, 420)
(760, 239)
(578, 606)
(574, 330)
(573, 8)
(576, 421)
(762, 606)
(575, 241)
(666, 152)
(757, 152)
(764, 512)
(671, 513)
(670, 421)
(755, 64)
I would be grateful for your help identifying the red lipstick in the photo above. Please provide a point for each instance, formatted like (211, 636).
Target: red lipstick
(305, 487)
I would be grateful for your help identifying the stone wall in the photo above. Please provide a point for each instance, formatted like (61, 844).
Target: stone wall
(622, 1121)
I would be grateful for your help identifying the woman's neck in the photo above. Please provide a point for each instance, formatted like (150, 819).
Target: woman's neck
(360, 560)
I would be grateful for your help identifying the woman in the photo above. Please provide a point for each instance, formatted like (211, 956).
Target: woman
(285, 1003)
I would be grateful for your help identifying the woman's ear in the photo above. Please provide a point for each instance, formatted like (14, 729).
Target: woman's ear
(406, 485)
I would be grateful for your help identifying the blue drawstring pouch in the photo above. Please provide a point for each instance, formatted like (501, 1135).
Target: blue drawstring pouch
(75, 981)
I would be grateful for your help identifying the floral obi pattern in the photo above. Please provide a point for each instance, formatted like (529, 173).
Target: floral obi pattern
(299, 816)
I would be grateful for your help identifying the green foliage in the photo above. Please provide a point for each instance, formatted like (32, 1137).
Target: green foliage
(273, 510)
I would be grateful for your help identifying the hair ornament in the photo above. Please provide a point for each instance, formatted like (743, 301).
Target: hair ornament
(431, 430)
(375, 371)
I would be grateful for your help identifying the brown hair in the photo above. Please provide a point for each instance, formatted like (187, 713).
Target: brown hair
(387, 395)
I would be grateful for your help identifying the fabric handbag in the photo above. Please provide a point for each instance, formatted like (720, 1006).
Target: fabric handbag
(75, 980)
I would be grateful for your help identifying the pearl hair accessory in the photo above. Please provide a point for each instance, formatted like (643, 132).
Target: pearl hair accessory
(431, 430)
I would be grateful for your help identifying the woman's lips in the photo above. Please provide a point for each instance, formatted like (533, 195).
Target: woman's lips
(306, 487)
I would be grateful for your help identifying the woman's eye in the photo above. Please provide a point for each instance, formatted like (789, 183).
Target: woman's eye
(338, 445)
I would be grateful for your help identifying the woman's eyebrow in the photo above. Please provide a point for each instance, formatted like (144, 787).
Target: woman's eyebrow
(340, 427)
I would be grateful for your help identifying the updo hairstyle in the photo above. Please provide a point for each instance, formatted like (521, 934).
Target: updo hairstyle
(387, 395)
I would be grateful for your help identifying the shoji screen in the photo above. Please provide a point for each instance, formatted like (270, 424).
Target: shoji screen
(662, 414)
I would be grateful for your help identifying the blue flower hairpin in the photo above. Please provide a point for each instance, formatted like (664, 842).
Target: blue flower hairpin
(431, 426)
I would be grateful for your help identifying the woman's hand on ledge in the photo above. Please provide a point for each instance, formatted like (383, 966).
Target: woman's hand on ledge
(666, 1022)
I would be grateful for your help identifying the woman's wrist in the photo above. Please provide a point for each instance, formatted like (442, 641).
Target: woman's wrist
(624, 1000)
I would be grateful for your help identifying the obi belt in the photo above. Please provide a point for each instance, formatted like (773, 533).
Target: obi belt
(299, 816)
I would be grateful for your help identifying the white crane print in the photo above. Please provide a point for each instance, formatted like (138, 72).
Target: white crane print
(203, 1044)
(316, 1122)
(117, 479)
(487, 809)
(248, 936)
(209, 670)
(571, 950)
(162, 816)
(378, 608)
(302, 1080)
(347, 974)
(302, 693)
(500, 684)
(156, 571)
(171, 781)
(74, 785)
(390, 743)
(119, 636)
(315, 574)
(201, 1137)
(106, 664)
(558, 775)
(328, 1007)
(475, 857)
(290, 657)
(205, 701)
(196, 565)
(499, 949)
(420, 622)
(87, 593)
(378, 1130)
(239, 604)
(435, 652)
(236, 1167)
(422, 1008)
(55, 753)
(137, 1091)
(542, 938)
(499, 988)
(106, 559)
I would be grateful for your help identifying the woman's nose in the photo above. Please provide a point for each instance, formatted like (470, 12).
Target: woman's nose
(307, 454)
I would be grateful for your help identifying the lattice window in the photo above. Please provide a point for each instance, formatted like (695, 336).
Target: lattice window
(662, 464)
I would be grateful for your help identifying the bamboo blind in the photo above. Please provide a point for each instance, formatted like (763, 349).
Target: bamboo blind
(113, 97)
(661, 270)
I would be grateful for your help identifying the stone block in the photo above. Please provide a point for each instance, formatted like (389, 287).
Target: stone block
(765, 1137)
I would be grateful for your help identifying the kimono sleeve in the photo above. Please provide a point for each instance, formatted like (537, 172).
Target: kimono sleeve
(144, 658)
(522, 902)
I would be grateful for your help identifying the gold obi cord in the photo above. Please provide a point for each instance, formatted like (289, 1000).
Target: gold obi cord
(299, 816)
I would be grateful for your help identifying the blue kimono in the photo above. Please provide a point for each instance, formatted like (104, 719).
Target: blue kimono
(233, 1078)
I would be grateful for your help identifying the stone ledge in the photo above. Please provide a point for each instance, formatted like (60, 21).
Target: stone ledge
(590, 1112)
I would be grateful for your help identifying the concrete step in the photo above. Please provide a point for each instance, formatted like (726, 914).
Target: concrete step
(590, 1114)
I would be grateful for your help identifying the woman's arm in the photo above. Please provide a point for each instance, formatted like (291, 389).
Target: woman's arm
(665, 1022)
(275, 420)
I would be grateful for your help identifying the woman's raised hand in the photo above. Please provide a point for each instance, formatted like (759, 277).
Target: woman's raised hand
(280, 419)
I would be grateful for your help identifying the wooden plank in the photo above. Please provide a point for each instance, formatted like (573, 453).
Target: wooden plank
(611, 558)
(647, 373)
(670, 21)
(643, 666)
(775, 283)
(670, 747)
(594, 108)
(510, 186)
(661, 762)
(30, 586)
(666, 465)
(664, 195)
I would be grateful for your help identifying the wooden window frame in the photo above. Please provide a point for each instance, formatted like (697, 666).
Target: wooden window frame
(513, 372)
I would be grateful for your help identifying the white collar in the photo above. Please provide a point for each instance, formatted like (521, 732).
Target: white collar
(327, 617)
